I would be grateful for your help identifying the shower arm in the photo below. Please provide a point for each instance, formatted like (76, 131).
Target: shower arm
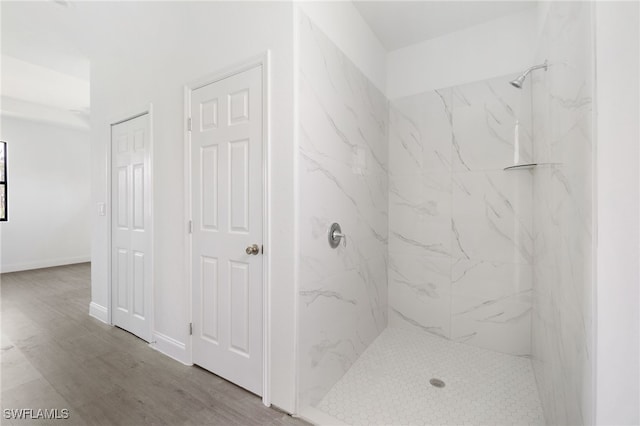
(518, 82)
(545, 65)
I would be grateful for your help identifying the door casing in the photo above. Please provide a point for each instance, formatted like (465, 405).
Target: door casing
(263, 61)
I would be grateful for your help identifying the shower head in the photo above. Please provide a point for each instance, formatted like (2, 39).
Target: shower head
(518, 82)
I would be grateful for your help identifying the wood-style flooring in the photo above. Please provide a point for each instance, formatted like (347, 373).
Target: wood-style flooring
(55, 356)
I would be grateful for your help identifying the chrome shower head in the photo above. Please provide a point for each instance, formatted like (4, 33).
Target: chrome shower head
(518, 82)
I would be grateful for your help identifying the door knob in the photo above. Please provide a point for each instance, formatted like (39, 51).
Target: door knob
(253, 249)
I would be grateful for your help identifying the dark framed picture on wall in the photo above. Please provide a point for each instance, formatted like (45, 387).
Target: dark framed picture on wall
(3, 182)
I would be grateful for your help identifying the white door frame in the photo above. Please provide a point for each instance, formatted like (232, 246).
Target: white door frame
(121, 118)
(263, 61)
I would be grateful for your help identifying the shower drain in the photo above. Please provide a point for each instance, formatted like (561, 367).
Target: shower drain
(437, 383)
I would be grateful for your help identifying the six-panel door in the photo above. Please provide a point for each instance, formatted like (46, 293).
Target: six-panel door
(227, 209)
(131, 226)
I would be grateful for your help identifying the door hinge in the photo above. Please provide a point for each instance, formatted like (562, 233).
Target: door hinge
(189, 124)
(190, 227)
(190, 329)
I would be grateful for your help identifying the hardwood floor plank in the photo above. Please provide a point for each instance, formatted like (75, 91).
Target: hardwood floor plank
(104, 375)
(15, 368)
(36, 394)
(79, 385)
(118, 407)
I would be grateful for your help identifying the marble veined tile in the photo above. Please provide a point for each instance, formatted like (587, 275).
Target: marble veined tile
(336, 200)
(420, 133)
(484, 125)
(491, 216)
(420, 214)
(491, 280)
(491, 304)
(406, 149)
(460, 228)
(541, 118)
(328, 345)
(500, 325)
(339, 316)
(494, 90)
(339, 191)
(419, 293)
(438, 130)
(341, 101)
(562, 316)
(317, 123)
(326, 133)
(343, 177)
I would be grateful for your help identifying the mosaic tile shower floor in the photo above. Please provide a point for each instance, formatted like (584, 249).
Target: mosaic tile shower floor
(389, 385)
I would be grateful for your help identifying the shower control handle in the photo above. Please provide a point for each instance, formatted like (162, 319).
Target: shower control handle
(336, 235)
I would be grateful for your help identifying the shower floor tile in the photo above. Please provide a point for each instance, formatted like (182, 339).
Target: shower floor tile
(389, 385)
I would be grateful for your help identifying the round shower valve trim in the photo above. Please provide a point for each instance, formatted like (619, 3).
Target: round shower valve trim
(336, 235)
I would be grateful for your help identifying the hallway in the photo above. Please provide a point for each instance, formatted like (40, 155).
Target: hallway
(55, 356)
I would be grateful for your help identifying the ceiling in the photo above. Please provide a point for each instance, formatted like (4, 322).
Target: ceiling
(47, 34)
(44, 86)
(398, 24)
(44, 62)
(44, 72)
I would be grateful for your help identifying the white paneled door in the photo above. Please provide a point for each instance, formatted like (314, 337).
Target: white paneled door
(131, 226)
(227, 209)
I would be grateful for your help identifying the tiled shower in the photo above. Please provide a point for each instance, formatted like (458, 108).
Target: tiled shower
(460, 244)
(469, 273)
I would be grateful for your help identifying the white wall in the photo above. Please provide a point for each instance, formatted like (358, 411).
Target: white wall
(345, 27)
(49, 195)
(618, 307)
(499, 47)
(135, 61)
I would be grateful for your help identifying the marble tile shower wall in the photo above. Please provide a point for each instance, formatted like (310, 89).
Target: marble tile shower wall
(562, 309)
(460, 227)
(343, 177)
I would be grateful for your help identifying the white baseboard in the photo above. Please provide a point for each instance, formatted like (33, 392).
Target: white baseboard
(99, 312)
(170, 347)
(37, 264)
